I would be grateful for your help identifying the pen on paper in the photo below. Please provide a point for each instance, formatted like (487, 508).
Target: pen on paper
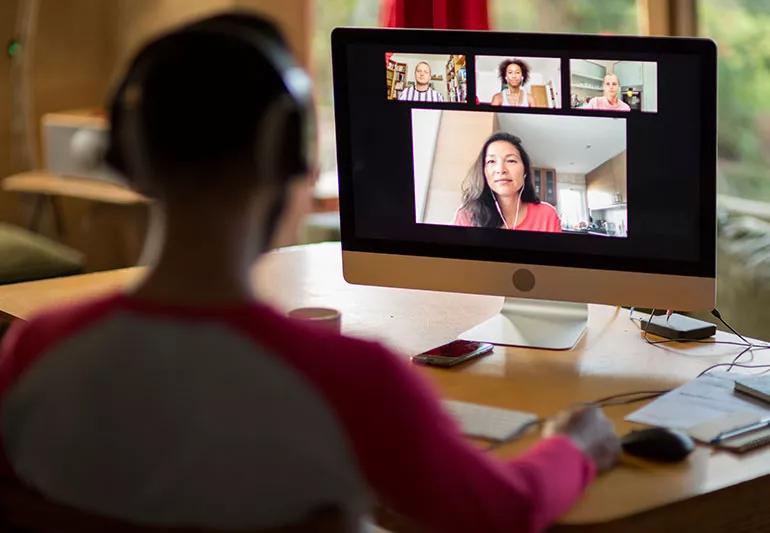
(759, 424)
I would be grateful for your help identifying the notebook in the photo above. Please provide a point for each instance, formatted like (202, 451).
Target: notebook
(755, 386)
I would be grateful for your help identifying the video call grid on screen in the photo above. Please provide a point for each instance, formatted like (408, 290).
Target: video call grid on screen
(654, 225)
(591, 84)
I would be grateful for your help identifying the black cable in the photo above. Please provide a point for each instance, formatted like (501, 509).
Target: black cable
(632, 400)
(517, 434)
(734, 343)
(697, 341)
(626, 398)
(739, 365)
(746, 345)
(608, 399)
(717, 314)
(735, 359)
(647, 325)
(700, 341)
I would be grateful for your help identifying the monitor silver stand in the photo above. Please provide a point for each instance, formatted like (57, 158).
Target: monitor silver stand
(545, 324)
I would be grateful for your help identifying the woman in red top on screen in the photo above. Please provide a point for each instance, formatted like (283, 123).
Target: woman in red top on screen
(498, 192)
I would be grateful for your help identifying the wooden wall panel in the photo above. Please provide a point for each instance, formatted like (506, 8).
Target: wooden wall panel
(136, 21)
(73, 52)
(8, 202)
(81, 48)
(293, 16)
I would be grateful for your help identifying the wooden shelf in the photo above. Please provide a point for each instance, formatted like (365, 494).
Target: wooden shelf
(41, 182)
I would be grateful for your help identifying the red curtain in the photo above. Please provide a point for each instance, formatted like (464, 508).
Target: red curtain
(445, 14)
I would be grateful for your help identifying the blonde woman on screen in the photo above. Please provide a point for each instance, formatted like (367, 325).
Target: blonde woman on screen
(610, 101)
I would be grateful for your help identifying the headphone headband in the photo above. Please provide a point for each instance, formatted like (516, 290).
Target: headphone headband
(288, 116)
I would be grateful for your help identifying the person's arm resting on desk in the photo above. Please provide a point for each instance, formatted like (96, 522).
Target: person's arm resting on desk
(412, 454)
(415, 459)
(468, 490)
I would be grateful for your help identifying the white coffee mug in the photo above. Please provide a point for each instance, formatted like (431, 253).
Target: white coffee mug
(322, 316)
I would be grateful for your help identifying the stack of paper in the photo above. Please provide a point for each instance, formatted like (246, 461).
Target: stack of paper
(706, 399)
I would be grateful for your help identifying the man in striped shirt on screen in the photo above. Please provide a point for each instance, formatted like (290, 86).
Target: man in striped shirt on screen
(421, 92)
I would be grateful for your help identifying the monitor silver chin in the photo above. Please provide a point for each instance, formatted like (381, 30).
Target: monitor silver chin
(584, 285)
(540, 301)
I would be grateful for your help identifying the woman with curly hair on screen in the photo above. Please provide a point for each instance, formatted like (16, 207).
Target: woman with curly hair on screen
(498, 191)
(514, 73)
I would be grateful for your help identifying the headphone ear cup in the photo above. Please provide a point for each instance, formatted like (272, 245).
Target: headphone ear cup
(272, 143)
(125, 151)
(284, 149)
(295, 146)
(114, 156)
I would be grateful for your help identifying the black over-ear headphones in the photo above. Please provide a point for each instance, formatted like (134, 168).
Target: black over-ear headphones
(287, 129)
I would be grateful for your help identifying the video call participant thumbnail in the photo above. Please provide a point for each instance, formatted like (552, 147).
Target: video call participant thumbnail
(420, 77)
(515, 81)
(498, 191)
(610, 100)
(421, 91)
(514, 73)
(614, 85)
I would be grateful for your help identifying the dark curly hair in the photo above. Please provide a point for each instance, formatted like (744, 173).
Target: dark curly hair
(508, 62)
(478, 198)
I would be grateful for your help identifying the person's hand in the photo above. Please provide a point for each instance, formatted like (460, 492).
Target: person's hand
(591, 431)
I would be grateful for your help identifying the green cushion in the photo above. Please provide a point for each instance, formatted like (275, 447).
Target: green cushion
(27, 256)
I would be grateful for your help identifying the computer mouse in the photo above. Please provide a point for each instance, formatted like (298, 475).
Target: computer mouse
(658, 444)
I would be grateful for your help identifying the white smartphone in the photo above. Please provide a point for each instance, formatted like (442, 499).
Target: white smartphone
(453, 353)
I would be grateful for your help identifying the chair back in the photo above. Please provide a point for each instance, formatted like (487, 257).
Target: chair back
(25, 510)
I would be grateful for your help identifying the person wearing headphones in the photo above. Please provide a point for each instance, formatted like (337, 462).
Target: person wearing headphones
(185, 400)
(498, 190)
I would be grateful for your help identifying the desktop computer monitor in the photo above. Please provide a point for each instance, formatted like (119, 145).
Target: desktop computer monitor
(554, 170)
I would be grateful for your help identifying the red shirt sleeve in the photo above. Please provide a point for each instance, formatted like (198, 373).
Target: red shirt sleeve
(554, 223)
(462, 218)
(411, 452)
(421, 466)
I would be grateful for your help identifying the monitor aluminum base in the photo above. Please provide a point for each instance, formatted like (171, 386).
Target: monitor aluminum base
(533, 324)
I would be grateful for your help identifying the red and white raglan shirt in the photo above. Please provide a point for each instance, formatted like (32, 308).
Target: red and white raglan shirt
(240, 417)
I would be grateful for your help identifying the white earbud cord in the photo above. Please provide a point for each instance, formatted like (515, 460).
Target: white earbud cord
(500, 211)
(518, 204)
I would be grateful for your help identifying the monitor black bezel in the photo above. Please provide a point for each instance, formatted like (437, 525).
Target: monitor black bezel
(426, 39)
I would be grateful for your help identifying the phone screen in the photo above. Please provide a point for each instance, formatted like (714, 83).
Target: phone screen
(458, 348)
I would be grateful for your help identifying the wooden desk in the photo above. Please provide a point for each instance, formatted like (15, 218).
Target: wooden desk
(711, 491)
